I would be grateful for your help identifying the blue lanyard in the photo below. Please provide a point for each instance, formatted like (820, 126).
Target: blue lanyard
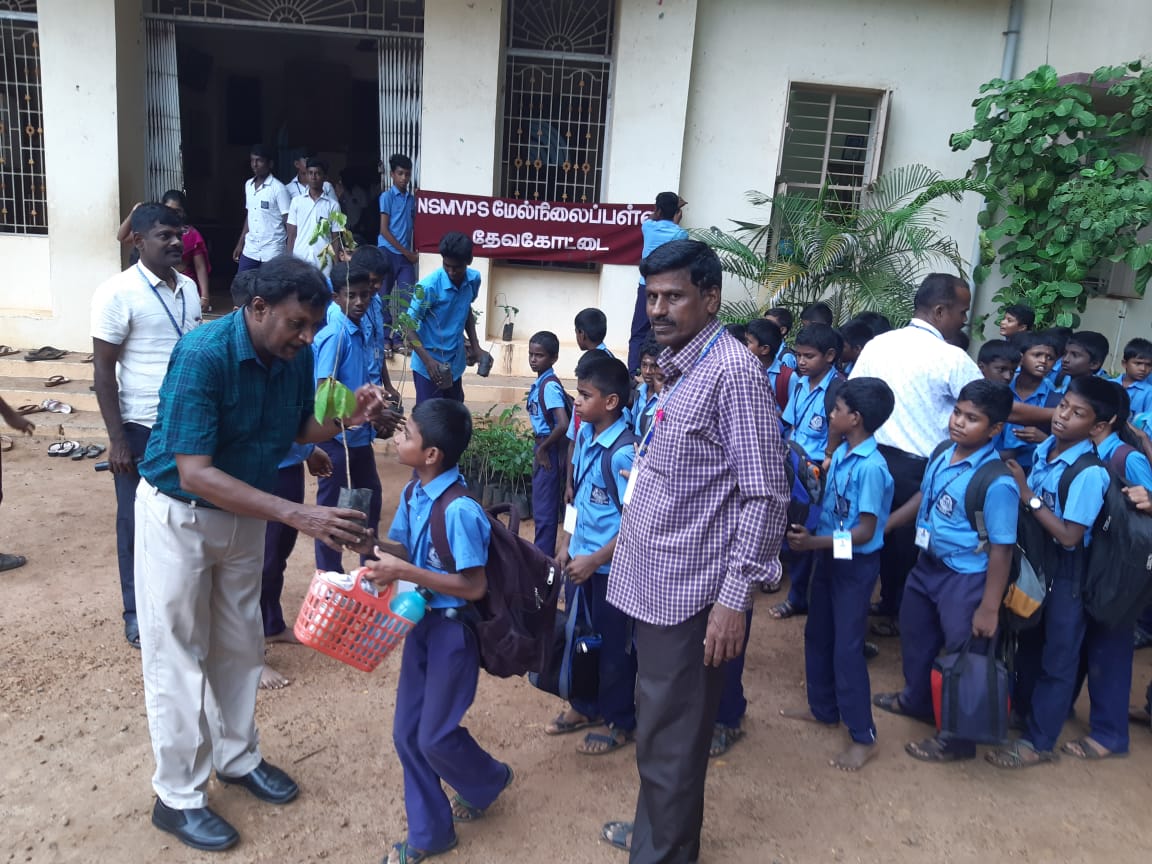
(646, 442)
(179, 328)
(803, 412)
(932, 500)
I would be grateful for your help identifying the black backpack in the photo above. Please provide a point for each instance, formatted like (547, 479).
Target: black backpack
(627, 438)
(544, 412)
(977, 492)
(514, 622)
(1118, 571)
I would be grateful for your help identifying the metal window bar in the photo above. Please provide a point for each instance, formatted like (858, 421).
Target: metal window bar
(376, 16)
(162, 84)
(401, 85)
(23, 193)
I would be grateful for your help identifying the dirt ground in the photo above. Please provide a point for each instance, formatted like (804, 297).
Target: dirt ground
(75, 759)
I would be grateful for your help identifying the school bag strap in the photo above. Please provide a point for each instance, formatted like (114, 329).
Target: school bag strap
(783, 382)
(1082, 464)
(1118, 460)
(627, 438)
(437, 524)
(976, 494)
(544, 412)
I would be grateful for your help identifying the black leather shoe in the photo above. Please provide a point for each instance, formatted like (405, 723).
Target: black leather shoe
(266, 782)
(199, 828)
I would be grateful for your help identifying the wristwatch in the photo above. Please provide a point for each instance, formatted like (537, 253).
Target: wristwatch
(1034, 503)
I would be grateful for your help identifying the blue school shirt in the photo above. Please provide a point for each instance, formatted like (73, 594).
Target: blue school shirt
(1085, 496)
(296, 454)
(465, 523)
(644, 410)
(656, 233)
(808, 425)
(788, 358)
(952, 538)
(604, 347)
(440, 318)
(401, 210)
(1054, 372)
(553, 398)
(1007, 439)
(1137, 469)
(597, 519)
(1139, 394)
(351, 367)
(373, 324)
(858, 482)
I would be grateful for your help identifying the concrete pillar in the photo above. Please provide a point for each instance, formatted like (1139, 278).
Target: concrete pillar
(461, 108)
(651, 71)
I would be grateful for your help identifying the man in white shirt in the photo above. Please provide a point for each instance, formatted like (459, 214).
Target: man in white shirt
(137, 318)
(926, 375)
(266, 200)
(298, 185)
(306, 212)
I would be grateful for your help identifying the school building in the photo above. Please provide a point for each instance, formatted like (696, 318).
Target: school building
(107, 102)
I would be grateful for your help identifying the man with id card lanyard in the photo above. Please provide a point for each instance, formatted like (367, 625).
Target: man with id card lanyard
(137, 318)
(704, 514)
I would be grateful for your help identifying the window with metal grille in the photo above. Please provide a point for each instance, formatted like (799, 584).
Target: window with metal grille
(557, 69)
(397, 16)
(833, 138)
(22, 187)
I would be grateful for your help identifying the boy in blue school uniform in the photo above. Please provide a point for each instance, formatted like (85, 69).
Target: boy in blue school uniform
(591, 327)
(805, 419)
(783, 320)
(443, 317)
(440, 666)
(955, 590)
(1084, 354)
(342, 350)
(651, 385)
(1030, 385)
(602, 390)
(397, 219)
(998, 359)
(1136, 469)
(856, 333)
(1134, 378)
(856, 505)
(373, 261)
(763, 339)
(548, 414)
(1049, 657)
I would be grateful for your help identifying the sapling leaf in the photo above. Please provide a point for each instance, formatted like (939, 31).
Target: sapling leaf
(333, 399)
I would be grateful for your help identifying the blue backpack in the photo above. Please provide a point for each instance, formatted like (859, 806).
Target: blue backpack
(805, 486)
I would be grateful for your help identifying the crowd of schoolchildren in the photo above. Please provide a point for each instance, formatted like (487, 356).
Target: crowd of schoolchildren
(584, 448)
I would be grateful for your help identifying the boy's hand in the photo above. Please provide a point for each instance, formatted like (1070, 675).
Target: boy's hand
(562, 558)
(1030, 434)
(1139, 497)
(569, 494)
(471, 352)
(412, 257)
(365, 547)
(798, 538)
(542, 458)
(1018, 475)
(386, 569)
(984, 622)
(580, 569)
(319, 464)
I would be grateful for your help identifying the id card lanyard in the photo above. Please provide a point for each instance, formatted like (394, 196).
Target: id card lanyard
(923, 535)
(842, 539)
(179, 328)
(658, 418)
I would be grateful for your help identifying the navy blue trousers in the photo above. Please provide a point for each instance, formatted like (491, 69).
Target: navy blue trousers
(1049, 658)
(641, 328)
(279, 541)
(899, 554)
(137, 438)
(835, 668)
(547, 493)
(438, 674)
(426, 390)
(398, 284)
(364, 476)
(246, 263)
(733, 704)
(799, 574)
(616, 700)
(935, 615)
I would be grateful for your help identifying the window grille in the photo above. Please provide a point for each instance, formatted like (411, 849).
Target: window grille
(556, 91)
(23, 194)
(381, 16)
(833, 138)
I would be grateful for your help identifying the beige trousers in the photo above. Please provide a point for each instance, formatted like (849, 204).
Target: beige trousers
(201, 641)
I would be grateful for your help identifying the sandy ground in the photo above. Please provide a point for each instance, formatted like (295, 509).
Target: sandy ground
(75, 759)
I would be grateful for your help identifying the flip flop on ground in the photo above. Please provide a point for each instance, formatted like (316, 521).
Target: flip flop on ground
(56, 406)
(62, 448)
(45, 353)
(723, 739)
(932, 750)
(891, 703)
(6, 350)
(617, 835)
(570, 721)
(599, 743)
(6, 443)
(11, 562)
(1090, 749)
(402, 853)
(462, 811)
(1020, 754)
(784, 610)
(28, 409)
(57, 380)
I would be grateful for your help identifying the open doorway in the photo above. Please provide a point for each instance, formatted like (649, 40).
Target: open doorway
(289, 90)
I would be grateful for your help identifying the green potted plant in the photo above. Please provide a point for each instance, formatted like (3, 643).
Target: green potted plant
(510, 313)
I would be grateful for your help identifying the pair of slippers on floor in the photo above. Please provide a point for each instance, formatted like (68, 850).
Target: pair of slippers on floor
(75, 450)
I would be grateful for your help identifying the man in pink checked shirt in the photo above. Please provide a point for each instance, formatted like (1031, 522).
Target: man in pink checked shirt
(703, 519)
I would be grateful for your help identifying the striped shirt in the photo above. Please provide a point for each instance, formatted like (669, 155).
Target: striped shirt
(707, 511)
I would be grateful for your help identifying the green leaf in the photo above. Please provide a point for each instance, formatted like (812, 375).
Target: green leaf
(1069, 290)
(333, 399)
(1129, 161)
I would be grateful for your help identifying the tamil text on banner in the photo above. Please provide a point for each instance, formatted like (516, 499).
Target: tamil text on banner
(533, 230)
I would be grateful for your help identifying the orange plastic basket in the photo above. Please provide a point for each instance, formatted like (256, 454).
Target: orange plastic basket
(350, 625)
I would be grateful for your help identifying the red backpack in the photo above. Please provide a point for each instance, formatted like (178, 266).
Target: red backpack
(514, 622)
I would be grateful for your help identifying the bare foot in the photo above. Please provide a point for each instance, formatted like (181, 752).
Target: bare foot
(270, 679)
(285, 635)
(806, 715)
(855, 757)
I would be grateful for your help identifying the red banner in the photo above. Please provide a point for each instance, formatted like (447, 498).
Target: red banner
(533, 230)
